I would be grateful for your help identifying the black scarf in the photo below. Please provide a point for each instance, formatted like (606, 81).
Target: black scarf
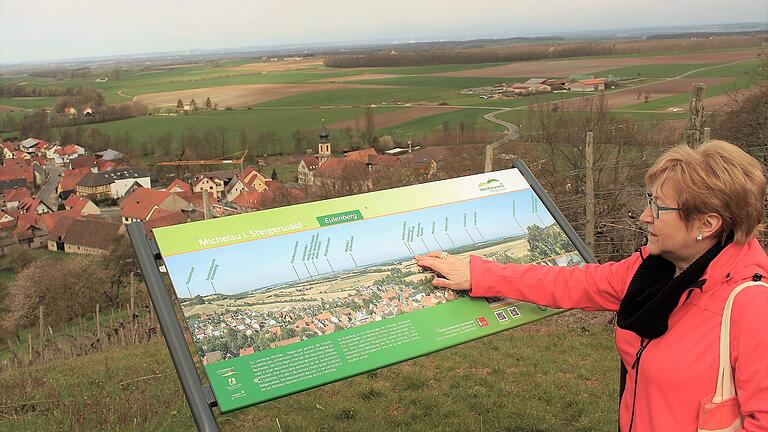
(655, 292)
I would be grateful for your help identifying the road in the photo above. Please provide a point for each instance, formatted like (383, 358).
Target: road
(47, 192)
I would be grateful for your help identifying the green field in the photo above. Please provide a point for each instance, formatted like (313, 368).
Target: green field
(427, 124)
(749, 69)
(652, 70)
(681, 99)
(283, 122)
(29, 102)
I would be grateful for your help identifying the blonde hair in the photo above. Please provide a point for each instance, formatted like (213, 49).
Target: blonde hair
(716, 177)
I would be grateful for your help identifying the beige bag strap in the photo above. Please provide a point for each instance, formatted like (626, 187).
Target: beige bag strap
(726, 388)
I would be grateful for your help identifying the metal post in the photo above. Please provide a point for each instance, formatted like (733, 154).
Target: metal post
(174, 337)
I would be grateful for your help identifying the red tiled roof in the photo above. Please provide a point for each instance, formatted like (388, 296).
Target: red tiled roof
(26, 221)
(16, 172)
(337, 167)
(58, 222)
(183, 186)
(76, 203)
(196, 198)
(71, 177)
(311, 162)
(140, 202)
(16, 194)
(360, 155)
(593, 81)
(248, 199)
(92, 233)
(28, 204)
(105, 165)
(68, 149)
(83, 162)
(383, 160)
(162, 218)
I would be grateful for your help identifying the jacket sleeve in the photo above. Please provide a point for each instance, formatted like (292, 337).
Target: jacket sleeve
(749, 356)
(592, 287)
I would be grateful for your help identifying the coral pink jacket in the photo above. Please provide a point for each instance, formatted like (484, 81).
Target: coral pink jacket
(680, 368)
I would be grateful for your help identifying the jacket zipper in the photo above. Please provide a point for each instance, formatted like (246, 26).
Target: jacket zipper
(636, 367)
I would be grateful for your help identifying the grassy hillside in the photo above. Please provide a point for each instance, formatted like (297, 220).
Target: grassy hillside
(557, 374)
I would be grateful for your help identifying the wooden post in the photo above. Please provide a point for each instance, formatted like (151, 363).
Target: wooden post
(41, 342)
(206, 205)
(133, 310)
(98, 323)
(488, 158)
(707, 134)
(30, 347)
(694, 133)
(589, 228)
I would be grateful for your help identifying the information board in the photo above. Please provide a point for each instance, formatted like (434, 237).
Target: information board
(283, 300)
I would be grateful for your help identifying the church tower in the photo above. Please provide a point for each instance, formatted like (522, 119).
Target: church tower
(324, 146)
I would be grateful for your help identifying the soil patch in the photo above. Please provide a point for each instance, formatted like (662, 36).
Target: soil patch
(357, 78)
(8, 108)
(281, 65)
(241, 95)
(392, 118)
(658, 90)
(565, 68)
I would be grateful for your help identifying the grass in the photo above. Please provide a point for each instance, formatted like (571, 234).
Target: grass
(682, 98)
(751, 68)
(29, 103)
(427, 124)
(283, 122)
(556, 374)
(652, 70)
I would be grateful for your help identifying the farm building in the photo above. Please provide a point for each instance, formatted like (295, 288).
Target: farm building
(595, 84)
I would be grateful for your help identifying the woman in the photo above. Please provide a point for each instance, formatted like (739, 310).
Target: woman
(704, 208)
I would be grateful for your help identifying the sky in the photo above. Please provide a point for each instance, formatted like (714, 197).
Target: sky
(57, 29)
(259, 263)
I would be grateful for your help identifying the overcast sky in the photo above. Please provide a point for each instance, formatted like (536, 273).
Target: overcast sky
(59, 29)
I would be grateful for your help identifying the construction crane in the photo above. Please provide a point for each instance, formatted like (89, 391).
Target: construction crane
(209, 161)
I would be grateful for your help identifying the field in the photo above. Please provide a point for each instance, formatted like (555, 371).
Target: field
(278, 98)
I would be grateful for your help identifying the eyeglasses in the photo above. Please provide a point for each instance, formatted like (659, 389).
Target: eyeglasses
(656, 209)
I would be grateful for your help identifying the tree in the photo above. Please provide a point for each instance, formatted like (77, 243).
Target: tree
(274, 174)
(370, 125)
(74, 291)
(193, 105)
(179, 105)
(208, 104)
(36, 125)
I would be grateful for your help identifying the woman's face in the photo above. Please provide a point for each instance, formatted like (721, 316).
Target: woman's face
(668, 236)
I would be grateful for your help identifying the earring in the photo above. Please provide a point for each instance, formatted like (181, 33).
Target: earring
(700, 237)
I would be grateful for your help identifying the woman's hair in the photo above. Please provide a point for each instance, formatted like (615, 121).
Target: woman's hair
(716, 177)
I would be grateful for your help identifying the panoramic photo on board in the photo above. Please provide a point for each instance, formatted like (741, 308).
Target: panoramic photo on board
(164, 114)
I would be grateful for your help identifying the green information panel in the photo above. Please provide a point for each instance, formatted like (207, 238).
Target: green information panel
(283, 300)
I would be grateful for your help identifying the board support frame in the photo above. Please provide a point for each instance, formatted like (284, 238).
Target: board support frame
(200, 402)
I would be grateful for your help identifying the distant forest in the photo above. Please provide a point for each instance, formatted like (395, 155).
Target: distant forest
(511, 53)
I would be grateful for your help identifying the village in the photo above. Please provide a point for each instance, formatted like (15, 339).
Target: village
(62, 198)
(241, 331)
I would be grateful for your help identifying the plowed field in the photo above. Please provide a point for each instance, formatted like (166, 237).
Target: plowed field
(242, 95)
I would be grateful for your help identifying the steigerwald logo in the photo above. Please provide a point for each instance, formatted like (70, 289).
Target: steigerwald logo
(491, 185)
